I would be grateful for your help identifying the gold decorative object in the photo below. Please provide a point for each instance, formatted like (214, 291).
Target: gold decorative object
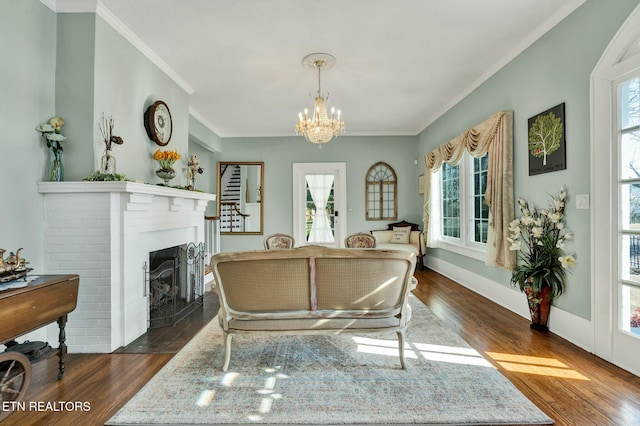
(13, 267)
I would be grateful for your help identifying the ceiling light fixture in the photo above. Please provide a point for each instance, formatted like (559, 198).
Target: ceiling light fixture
(320, 128)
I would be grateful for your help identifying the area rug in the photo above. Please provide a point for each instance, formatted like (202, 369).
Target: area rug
(331, 379)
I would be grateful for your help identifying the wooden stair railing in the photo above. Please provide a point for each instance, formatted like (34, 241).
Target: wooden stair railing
(230, 216)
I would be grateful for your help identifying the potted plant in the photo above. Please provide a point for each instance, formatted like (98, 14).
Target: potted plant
(539, 236)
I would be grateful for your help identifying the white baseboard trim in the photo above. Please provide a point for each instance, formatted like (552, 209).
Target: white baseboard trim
(573, 328)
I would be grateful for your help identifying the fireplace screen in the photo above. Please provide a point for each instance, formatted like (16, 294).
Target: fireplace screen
(176, 283)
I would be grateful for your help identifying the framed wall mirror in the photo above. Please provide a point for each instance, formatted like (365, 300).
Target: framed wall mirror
(241, 197)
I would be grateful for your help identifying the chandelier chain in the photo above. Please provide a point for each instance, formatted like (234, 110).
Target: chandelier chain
(319, 66)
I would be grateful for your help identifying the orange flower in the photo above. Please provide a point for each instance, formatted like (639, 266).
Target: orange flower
(166, 158)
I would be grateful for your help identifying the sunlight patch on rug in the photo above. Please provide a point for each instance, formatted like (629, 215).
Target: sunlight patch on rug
(331, 379)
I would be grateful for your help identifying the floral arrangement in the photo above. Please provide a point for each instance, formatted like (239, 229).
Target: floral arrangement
(539, 237)
(166, 158)
(51, 133)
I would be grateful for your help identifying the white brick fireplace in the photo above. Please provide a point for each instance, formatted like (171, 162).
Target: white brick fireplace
(104, 231)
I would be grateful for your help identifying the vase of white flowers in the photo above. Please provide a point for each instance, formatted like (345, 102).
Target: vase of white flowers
(56, 168)
(51, 133)
(538, 237)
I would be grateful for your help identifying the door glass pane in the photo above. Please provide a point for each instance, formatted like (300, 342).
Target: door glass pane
(630, 103)
(631, 309)
(630, 155)
(630, 206)
(630, 258)
(320, 209)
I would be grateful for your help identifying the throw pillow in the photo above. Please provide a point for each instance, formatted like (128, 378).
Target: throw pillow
(401, 235)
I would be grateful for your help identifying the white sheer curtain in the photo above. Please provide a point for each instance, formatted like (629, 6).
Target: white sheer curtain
(320, 189)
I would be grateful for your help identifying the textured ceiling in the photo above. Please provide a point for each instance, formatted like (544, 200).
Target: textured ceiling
(400, 64)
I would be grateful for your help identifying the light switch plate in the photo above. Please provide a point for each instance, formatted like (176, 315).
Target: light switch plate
(582, 201)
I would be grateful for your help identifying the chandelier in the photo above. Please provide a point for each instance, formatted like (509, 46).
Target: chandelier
(321, 127)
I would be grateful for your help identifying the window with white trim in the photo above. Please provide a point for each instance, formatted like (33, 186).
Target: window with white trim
(462, 214)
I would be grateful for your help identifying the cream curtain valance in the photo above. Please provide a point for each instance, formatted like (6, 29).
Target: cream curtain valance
(493, 136)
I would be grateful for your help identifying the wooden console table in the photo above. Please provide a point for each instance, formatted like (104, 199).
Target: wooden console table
(47, 299)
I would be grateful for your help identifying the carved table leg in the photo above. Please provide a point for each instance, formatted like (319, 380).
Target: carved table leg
(62, 348)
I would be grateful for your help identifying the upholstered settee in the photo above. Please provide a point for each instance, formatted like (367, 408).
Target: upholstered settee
(313, 289)
(402, 236)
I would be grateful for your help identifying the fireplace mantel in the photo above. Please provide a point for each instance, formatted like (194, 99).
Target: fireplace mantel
(104, 231)
(129, 187)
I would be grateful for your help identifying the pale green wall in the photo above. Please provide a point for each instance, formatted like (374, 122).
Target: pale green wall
(359, 153)
(555, 69)
(203, 135)
(206, 145)
(206, 181)
(27, 85)
(98, 71)
(126, 83)
(74, 90)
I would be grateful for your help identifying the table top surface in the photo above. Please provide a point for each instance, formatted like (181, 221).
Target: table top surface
(32, 282)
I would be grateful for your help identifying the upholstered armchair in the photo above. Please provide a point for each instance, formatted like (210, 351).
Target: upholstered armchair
(278, 241)
(360, 240)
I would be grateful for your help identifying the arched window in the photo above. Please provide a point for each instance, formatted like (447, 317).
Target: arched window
(381, 188)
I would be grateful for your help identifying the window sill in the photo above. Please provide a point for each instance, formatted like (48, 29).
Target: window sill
(468, 251)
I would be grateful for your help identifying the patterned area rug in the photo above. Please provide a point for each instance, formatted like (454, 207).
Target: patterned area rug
(331, 379)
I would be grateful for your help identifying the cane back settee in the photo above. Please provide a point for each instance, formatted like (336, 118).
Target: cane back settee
(313, 290)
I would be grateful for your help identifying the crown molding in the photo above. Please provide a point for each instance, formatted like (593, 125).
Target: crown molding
(71, 6)
(95, 6)
(132, 38)
(204, 122)
(51, 4)
(538, 32)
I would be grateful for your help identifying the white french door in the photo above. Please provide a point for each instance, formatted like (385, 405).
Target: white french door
(319, 200)
(626, 224)
(615, 183)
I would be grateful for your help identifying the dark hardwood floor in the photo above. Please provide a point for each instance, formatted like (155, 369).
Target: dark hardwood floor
(570, 385)
(170, 340)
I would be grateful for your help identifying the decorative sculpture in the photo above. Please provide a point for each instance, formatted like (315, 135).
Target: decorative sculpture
(193, 168)
(13, 267)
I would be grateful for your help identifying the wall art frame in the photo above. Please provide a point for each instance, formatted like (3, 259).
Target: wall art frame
(546, 141)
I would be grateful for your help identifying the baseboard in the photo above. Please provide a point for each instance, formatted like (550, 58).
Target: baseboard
(573, 328)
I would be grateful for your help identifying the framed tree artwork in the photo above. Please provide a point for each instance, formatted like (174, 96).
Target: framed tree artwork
(547, 150)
